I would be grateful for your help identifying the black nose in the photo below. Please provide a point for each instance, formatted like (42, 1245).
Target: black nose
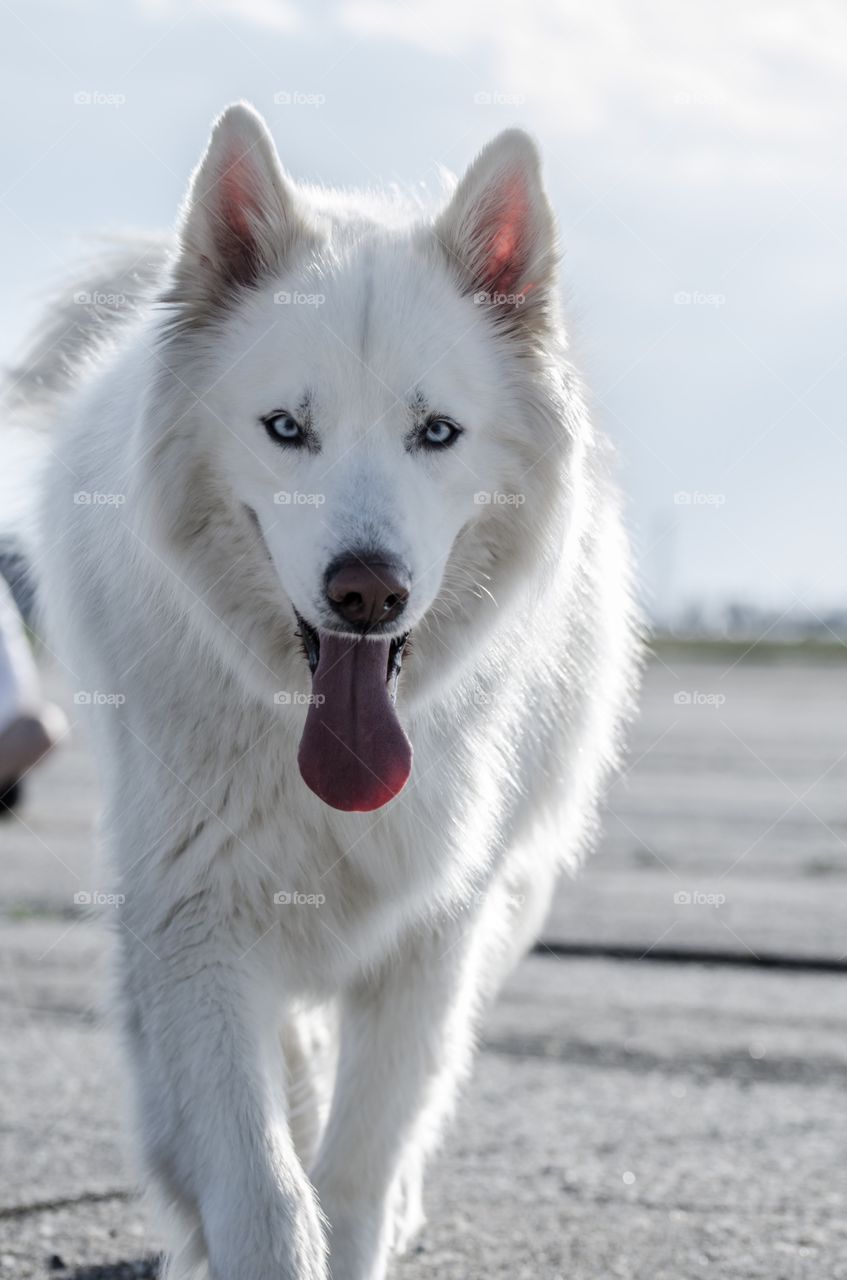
(367, 590)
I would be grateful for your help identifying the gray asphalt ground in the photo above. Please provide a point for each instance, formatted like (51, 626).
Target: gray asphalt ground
(659, 1120)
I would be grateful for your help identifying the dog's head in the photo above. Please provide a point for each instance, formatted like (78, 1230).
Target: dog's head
(375, 399)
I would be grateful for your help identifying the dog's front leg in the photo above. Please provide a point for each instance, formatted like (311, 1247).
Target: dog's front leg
(204, 1048)
(406, 1040)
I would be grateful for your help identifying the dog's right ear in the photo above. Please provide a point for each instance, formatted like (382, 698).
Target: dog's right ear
(240, 219)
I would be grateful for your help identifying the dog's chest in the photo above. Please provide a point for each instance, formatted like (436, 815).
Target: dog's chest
(335, 890)
(338, 890)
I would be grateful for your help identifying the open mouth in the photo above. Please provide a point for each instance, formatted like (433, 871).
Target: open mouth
(354, 753)
(310, 640)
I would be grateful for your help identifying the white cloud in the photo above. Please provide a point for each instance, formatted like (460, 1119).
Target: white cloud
(722, 75)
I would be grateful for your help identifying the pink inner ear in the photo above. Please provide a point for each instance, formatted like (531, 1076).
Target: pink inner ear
(232, 202)
(505, 233)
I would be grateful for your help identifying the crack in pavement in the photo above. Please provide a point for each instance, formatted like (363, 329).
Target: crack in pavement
(65, 1202)
(734, 1066)
(689, 955)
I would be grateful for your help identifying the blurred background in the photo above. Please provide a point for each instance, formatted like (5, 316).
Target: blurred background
(695, 155)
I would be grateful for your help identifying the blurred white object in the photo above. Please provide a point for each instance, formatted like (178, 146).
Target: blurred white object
(19, 684)
(29, 727)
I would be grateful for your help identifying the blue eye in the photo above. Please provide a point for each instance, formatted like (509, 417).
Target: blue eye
(283, 428)
(440, 432)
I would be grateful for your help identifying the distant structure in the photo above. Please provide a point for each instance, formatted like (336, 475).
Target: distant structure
(734, 620)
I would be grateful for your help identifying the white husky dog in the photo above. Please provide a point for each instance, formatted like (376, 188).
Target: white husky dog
(330, 533)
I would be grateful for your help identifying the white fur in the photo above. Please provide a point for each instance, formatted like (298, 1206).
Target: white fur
(234, 1005)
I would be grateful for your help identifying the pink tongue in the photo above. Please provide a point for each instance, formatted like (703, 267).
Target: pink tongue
(353, 753)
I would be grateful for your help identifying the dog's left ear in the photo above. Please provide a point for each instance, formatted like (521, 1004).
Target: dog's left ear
(240, 219)
(499, 234)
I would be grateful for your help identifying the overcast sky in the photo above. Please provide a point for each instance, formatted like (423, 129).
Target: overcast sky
(695, 155)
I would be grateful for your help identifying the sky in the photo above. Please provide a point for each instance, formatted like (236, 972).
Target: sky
(695, 157)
